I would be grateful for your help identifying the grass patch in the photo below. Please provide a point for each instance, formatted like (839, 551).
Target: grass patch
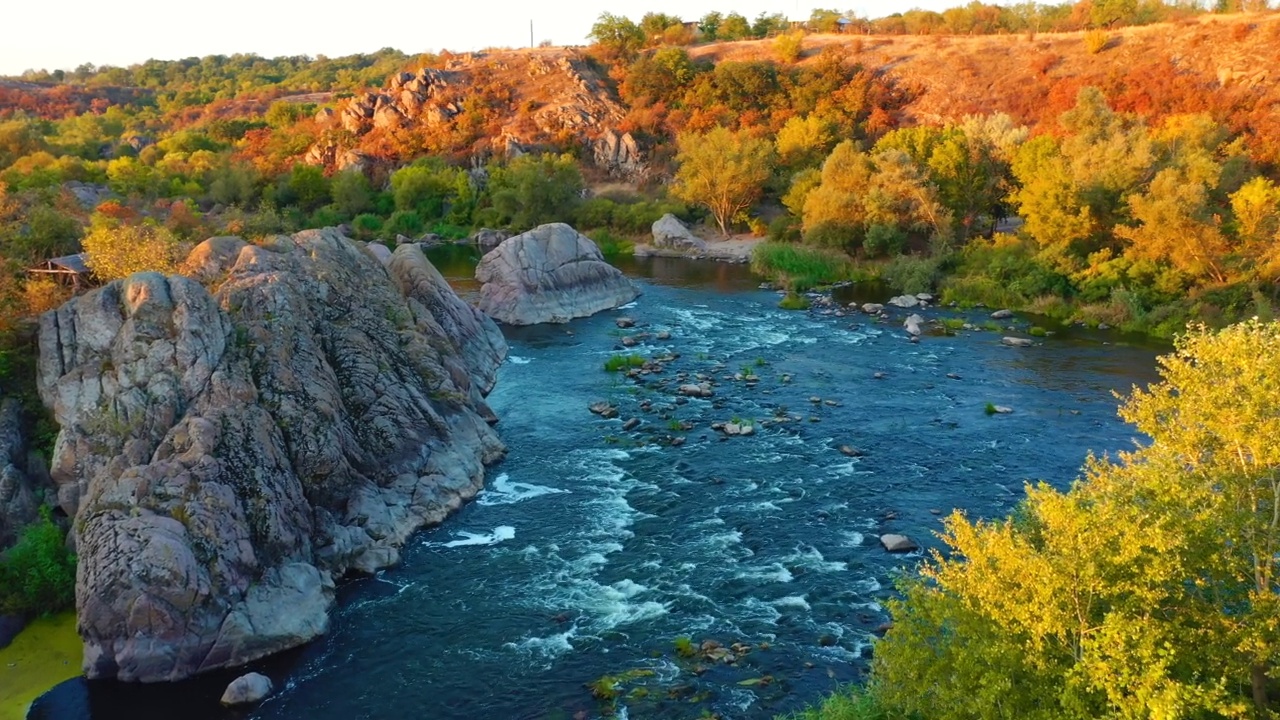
(611, 245)
(46, 653)
(793, 301)
(1037, 331)
(971, 291)
(990, 409)
(953, 323)
(617, 363)
(800, 268)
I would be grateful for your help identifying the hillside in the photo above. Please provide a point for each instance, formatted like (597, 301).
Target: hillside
(1224, 65)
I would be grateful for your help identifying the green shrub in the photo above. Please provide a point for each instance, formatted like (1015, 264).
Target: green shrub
(784, 228)
(611, 245)
(794, 301)
(367, 226)
(595, 213)
(850, 703)
(616, 363)
(403, 222)
(912, 274)
(883, 241)
(38, 574)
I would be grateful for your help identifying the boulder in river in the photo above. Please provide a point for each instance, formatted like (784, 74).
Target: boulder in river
(905, 301)
(912, 324)
(551, 274)
(872, 308)
(1002, 315)
(247, 690)
(1017, 342)
(895, 543)
(228, 453)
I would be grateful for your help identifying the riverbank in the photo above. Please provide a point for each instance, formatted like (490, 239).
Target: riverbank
(45, 653)
(997, 276)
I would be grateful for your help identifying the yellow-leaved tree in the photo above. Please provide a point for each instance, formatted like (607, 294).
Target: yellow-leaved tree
(1150, 590)
(722, 170)
(119, 250)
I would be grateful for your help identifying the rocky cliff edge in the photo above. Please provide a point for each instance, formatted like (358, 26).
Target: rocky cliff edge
(236, 438)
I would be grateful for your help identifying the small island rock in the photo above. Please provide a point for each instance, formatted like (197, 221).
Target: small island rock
(247, 689)
(895, 543)
(550, 274)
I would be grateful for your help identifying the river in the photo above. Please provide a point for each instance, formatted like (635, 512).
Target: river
(593, 549)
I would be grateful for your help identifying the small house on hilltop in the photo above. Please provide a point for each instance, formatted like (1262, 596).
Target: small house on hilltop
(70, 270)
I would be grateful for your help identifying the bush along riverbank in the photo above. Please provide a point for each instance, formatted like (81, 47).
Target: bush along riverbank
(1149, 589)
(1003, 273)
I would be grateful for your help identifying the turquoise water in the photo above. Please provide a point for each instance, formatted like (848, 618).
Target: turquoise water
(593, 549)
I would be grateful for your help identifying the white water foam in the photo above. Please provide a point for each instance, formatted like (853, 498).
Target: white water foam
(811, 558)
(550, 647)
(514, 360)
(773, 572)
(505, 492)
(853, 539)
(795, 602)
(499, 534)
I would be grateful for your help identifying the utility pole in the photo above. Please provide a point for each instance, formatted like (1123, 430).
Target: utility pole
(530, 33)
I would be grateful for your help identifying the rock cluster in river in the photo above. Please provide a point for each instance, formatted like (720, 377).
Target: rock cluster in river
(551, 274)
(229, 449)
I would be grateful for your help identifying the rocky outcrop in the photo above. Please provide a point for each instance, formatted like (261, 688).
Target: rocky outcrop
(671, 234)
(487, 240)
(228, 453)
(550, 274)
(18, 504)
(538, 101)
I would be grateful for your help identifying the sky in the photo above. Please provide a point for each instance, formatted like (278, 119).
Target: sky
(123, 32)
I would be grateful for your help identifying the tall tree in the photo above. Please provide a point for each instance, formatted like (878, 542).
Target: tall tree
(722, 170)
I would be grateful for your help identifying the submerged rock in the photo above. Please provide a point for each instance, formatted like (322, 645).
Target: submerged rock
(227, 455)
(247, 689)
(550, 274)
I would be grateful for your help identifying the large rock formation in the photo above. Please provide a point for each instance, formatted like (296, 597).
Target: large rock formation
(551, 274)
(229, 449)
(549, 97)
(18, 504)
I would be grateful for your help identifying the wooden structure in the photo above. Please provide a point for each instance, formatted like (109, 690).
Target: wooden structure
(69, 270)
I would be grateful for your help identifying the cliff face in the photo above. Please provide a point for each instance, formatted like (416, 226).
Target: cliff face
(228, 452)
(538, 99)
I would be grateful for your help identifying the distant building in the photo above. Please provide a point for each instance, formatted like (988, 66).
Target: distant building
(70, 270)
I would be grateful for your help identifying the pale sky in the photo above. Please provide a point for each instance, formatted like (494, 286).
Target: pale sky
(123, 32)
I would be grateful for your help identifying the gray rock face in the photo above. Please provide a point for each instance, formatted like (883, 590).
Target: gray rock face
(671, 234)
(247, 689)
(550, 274)
(226, 456)
(18, 506)
(487, 240)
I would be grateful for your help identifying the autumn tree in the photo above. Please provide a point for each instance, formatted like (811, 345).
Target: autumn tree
(722, 170)
(617, 35)
(1150, 590)
(117, 250)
